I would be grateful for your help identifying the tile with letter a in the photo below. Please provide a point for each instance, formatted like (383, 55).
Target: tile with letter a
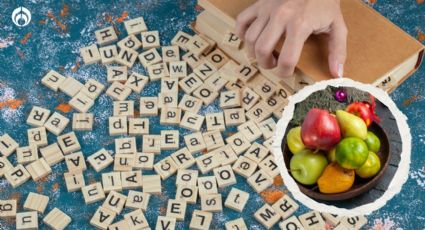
(169, 85)
(260, 180)
(291, 223)
(312, 220)
(93, 193)
(232, 40)
(82, 121)
(236, 199)
(267, 216)
(26, 221)
(38, 116)
(102, 218)
(137, 200)
(256, 152)
(194, 142)
(36, 202)
(170, 116)
(56, 123)
(234, 116)
(53, 80)
(237, 224)
(93, 89)
(56, 219)
(90, 54)
(117, 73)
(285, 206)
(106, 36)
(38, 169)
(135, 25)
(201, 220)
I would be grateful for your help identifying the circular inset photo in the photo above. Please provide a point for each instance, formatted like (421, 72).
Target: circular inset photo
(342, 147)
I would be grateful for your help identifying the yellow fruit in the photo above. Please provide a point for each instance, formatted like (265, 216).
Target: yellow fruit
(336, 179)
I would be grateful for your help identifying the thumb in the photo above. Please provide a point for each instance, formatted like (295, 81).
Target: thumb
(337, 47)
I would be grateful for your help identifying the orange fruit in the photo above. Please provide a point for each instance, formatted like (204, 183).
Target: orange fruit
(336, 179)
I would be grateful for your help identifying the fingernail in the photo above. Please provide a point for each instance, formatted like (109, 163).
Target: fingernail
(340, 70)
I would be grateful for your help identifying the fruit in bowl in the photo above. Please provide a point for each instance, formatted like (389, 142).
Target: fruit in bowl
(335, 179)
(371, 167)
(307, 166)
(351, 153)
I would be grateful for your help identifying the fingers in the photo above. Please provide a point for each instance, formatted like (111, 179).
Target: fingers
(245, 19)
(268, 40)
(296, 35)
(337, 47)
(252, 34)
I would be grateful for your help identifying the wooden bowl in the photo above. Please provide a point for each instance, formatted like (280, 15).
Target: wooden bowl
(360, 185)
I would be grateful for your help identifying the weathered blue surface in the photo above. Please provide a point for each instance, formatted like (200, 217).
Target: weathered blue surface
(48, 46)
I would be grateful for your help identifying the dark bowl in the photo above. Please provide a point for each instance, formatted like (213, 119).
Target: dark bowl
(360, 185)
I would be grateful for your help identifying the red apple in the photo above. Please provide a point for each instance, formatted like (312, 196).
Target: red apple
(361, 110)
(320, 130)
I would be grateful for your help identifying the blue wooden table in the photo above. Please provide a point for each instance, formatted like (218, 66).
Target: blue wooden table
(52, 41)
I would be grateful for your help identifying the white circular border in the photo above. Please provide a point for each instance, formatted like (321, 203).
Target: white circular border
(400, 176)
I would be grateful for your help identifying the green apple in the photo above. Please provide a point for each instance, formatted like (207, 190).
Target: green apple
(306, 166)
(372, 142)
(294, 141)
(371, 167)
(351, 125)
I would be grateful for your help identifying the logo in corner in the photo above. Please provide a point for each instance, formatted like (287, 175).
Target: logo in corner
(21, 16)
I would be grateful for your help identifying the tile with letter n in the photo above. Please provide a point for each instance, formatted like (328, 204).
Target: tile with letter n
(26, 221)
(53, 80)
(27, 154)
(115, 202)
(267, 216)
(126, 57)
(192, 121)
(118, 91)
(93, 193)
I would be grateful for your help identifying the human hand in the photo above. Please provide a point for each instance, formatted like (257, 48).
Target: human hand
(262, 25)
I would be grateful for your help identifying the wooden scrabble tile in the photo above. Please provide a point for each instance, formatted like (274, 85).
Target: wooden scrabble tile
(93, 193)
(192, 121)
(211, 203)
(192, 60)
(236, 224)
(123, 162)
(123, 108)
(226, 155)
(190, 104)
(236, 199)
(150, 39)
(234, 117)
(56, 123)
(150, 57)
(211, 44)
(8, 209)
(100, 160)
(250, 130)
(52, 154)
(168, 99)
(169, 139)
(256, 152)
(267, 216)
(249, 98)
(181, 39)
(137, 200)
(125, 145)
(207, 185)
(234, 85)
(206, 94)
(244, 166)
(5, 165)
(82, 121)
(69, 143)
(285, 206)
(176, 209)
(135, 25)
(183, 158)
(274, 103)
(213, 140)
(291, 223)
(258, 112)
(151, 144)
(108, 54)
(38, 116)
(278, 112)
(217, 58)
(102, 218)
(356, 222)
(204, 70)
(187, 177)
(38, 169)
(165, 168)
(122, 224)
(197, 45)
(36, 202)
(70, 86)
(238, 142)
(200, 220)
(115, 202)
(267, 127)
(117, 73)
(26, 221)
(215, 121)
(269, 166)
(148, 106)
(194, 142)
(131, 179)
(151, 184)
(208, 162)
(144, 161)
(262, 86)
(170, 53)
(158, 71)
(230, 99)
(126, 57)
(118, 126)
(74, 181)
(178, 69)
(333, 219)
(136, 82)
(136, 220)
(75, 162)
(216, 82)
(227, 71)
(187, 193)
(169, 85)
(312, 220)
(7, 145)
(17, 176)
(165, 223)
(190, 83)
(111, 181)
(245, 72)
(90, 54)
(37, 136)
(56, 219)
(170, 116)
(106, 36)
(232, 40)
(93, 88)
(118, 91)
(27, 154)
(53, 80)
(260, 180)
(225, 176)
